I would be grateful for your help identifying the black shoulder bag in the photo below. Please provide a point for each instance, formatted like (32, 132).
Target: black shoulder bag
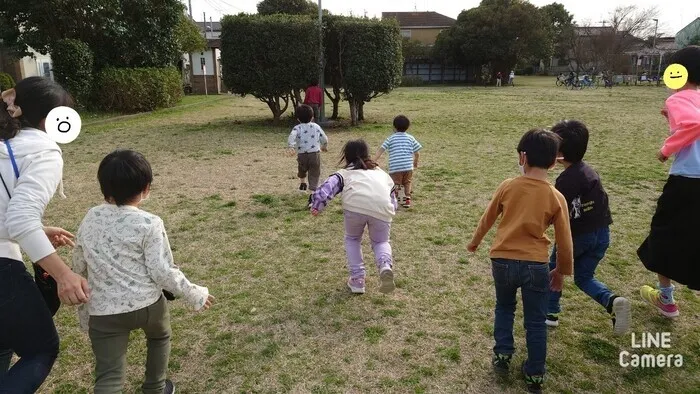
(46, 284)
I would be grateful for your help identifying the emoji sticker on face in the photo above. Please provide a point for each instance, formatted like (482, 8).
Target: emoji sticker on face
(63, 124)
(675, 76)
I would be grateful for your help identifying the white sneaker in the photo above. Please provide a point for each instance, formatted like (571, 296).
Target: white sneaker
(621, 311)
(386, 280)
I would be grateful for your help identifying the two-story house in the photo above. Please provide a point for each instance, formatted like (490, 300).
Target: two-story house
(425, 27)
(421, 26)
(205, 65)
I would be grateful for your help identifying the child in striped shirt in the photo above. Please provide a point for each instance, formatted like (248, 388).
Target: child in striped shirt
(403, 151)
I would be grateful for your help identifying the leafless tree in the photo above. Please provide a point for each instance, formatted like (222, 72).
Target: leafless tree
(605, 47)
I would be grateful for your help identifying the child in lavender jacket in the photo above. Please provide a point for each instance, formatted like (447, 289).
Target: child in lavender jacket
(368, 200)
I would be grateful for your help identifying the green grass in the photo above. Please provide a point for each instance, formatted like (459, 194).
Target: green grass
(284, 321)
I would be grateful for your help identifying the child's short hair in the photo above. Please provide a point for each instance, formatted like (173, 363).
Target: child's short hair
(401, 123)
(123, 175)
(689, 57)
(305, 113)
(574, 139)
(541, 148)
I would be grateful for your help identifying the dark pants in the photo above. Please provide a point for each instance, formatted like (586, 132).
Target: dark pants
(317, 112)
(589, 250)
(672, 247)
(533, 280)
(310, 163)
(27, 328)
(109, 336)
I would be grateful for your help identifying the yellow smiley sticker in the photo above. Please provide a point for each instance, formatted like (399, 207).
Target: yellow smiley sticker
(675, 76)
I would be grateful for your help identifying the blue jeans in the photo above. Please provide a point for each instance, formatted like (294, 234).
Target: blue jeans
(27, 328)
(589, 250)
(533, 280)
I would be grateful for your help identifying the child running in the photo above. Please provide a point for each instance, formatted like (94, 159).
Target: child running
(307, 140)
(520, 252)
(590, 218)
(403, 158)
(125, 254)
(368, 201)
(671, 250)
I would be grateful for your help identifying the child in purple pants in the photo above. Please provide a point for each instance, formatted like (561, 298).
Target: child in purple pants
(368, 200)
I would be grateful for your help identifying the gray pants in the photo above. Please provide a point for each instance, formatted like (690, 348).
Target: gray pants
(110, 337)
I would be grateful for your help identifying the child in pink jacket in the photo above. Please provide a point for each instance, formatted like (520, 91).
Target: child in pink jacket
(672, 249)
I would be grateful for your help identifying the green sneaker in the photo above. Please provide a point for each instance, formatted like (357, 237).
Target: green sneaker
(501, 363)
(534, 382)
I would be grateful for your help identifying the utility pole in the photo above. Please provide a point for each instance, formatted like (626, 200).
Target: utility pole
(653, 49)
(191, 9)
(322, 110)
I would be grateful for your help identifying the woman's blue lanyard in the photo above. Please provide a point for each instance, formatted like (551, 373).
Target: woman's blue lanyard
(14, 166)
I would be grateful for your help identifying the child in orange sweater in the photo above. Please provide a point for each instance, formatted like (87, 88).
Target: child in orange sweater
(520, 252)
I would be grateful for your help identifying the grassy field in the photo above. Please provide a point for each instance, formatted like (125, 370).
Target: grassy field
(284, 321)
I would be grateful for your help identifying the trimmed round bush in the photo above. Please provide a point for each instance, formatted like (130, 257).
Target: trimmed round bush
(6, 81)
(131, 90)
(72, 68)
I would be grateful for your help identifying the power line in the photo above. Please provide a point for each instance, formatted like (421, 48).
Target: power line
(230, 5)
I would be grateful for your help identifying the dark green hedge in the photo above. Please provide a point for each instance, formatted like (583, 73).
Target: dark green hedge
(6, 81)
(131, 90)
(72, 68)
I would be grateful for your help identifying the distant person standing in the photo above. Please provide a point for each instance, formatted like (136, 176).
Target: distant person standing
(499, 77)
(314, 98)
(511, 78)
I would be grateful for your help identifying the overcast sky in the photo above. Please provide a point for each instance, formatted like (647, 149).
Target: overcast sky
(674, 14)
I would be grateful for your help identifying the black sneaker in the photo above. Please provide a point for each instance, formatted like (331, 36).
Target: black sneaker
(303, 187)
(311, 201)
(552, 320)
(534, 382)
(169, 387)
(501, 363)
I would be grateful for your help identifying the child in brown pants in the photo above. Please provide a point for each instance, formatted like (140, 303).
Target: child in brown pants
(403, 158)
(307, 140)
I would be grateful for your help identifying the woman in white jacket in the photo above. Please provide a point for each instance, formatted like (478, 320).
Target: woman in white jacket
(31, 169)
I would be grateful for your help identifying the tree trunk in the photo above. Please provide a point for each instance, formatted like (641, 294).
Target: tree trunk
(335, 99)
(353, 112)
(361, 111)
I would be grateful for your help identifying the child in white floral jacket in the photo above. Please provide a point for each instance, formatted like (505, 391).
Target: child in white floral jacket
(125, 254)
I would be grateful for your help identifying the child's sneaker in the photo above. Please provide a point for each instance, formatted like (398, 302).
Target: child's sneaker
(501, 363)
(552, 320)
(303, 186)
(407, 202)
(620, 314)
(169, 387)
(357, 285)
(311, 201)
(534, 382)
(653, 296)
(386, 280)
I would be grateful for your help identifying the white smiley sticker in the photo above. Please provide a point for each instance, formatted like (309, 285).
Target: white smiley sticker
(63, 124)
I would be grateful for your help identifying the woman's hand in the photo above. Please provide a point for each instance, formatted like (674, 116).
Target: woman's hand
(59, 237)
(72, 288)
(556, 280)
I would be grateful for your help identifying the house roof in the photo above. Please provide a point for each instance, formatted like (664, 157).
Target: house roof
(592, 30)
(691, 25)
(215, 25)
(420, 19)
